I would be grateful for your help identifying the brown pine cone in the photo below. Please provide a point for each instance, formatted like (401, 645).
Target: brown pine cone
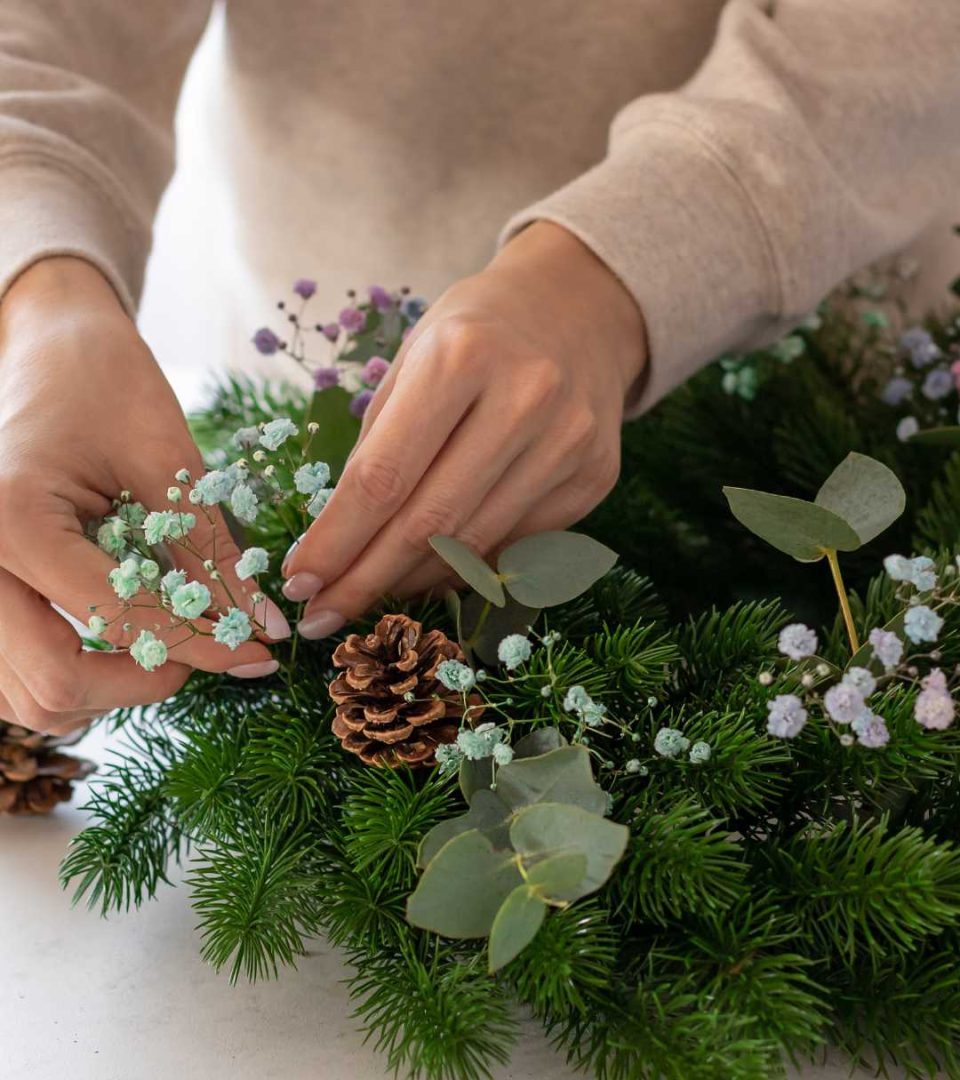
(391, 708)
(34, 774)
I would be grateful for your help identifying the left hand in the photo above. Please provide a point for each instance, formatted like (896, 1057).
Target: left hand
(500, 417)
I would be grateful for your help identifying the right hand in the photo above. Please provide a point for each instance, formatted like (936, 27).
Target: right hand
(86, 413)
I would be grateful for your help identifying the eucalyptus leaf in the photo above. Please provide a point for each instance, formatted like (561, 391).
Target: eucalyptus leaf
(865, 493)
(562, 775)
(339, 428)
(559, 877)
(475, 775)
(556, 828)
(487, 814)
(799, 528)
(468, 564)
(553, 567)
(938, 436)
(539, 741)
(512, 618)
(515, 926)
(462, 889)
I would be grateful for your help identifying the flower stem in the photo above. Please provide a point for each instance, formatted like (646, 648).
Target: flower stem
(844, 602)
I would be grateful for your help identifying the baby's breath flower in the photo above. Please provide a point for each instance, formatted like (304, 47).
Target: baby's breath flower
(922, 624)
(765, 678)
(546, 691)
(319, 501)
(125, 579)
(173, 580)
(253, 561)
(313, 427)
(919, 346)
(190, 601)
(149, 651)
(887, 647)
(233, 628)
(861, 680)
(265, 341)
(310, 478)
(112, 536)
(576, 699)
(163, 525)
(871, 731)
(215, 486)
(448, 758)
(209, 565)
(552, 637)
(259, 456)
(807, 680)
(513, 651)
(244, 504)
(269, 471)
(797, 641)
(133, 513)
(786, 716)
(456, 676)
(669, 742)
(897, 390)
(632, 766)
(374, 370)
(246, 438)
(182, 476)
(934, 708)
(96, 625)
(844, 703)
(700, 753)
(149, 570)
(937, 384)
(275, 433)
(907, 428)
(592, 714)
(502, 754)
(174, 494)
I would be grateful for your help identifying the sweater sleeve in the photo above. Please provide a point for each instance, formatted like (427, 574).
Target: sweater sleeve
(817, 136)
(88, 90)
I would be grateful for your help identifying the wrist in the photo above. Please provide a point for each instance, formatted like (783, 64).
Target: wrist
(55, 287)
(580, 297)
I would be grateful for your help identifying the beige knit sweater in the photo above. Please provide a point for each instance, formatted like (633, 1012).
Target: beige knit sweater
(759, 151)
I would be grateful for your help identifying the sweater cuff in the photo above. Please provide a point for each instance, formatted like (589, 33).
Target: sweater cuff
(48, 210)
(670, 219)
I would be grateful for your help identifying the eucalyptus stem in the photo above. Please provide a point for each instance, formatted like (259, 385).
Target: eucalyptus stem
(844, 602)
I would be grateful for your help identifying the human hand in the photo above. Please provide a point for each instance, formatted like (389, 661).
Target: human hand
(500, 417)
(86, 413)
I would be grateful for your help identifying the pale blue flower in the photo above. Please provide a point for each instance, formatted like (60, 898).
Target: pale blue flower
(897, 390)
(887, 647)
(96, 625)
(173, 580)
(632, 766)
(276, 432)
(786, 716)
(514, 650)
(319, 501)
(797, 641)
(163, 525)
(253, 561)
(700, 753)
(922, 624)
(448, 757)
(310, 478)
(215, 486)
(233, 628)
(861, 680)
(669, 742)
(456, 676)
(502, 754)
(937, 384)
(844, 703)
(112, 536)
(907, 428)
(871, 731)
(576, 699)
(244, 504)
(182, 476)
(919, 572)
(190, 601)
(133, 513)
(592, 714)
(149, 651)
(246, 438)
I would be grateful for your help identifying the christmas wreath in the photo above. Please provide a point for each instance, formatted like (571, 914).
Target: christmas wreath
(696, 810)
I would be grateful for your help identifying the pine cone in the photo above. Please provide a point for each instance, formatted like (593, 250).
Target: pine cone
(391, 709)
(34, 774)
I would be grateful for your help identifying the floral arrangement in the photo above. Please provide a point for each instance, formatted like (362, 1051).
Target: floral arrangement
(697, 822)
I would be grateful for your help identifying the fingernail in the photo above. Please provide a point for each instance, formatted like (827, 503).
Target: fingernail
(289, 554)
(302, 586)
(320, 624)
(254, 671)
(274, 621)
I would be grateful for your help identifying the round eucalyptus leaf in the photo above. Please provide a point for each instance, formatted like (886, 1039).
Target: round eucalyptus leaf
(562, 775)
(559, 877)
(553, 567)
(468, 564)
(797, 527)
(539, 741)
(512, 618)
(487, 814)
(516, 925)
(865, 493)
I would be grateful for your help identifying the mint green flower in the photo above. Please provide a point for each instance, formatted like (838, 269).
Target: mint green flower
(149, 651)
(233, 628)
(253, 561)
(276, 433)
(190, 601)
(244, 504)
(700, 752)
(132, 513)
(96, 625)
(456, 676)
(173, 580)
(576, 699)
(310, 478)
(502, 754)
(125, 579)
(319, 501)
(163, 525)
(112, 536)
(513, 651)
(149, 571)
(448, 757)
(669, 742)
(174, 494)
(479, 742)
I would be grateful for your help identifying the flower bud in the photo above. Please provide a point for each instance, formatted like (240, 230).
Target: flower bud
(174, 494)
(209, 565)
(313, 427)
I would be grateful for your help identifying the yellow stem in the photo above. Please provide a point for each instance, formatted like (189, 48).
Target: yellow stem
(844, 602)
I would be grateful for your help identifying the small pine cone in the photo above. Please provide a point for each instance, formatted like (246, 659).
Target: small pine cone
(391, 708)
(34, 774)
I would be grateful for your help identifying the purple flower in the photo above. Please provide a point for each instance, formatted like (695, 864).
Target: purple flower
(897, 390)
(358, 406)
(326, 377)
(413, 308)
(920, 346)
(380, 298)
(937, 384)
(352, 319)
(871, 731)
(374, 370)
(786, 716)
(266, 341)
(304, 287)
(331, 331)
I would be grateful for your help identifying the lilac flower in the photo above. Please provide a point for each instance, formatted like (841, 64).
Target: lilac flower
(797, 641)
(266, 341)
(887, 647)
(844, 703)
(304, 288)
(374, 370)
(358, 406)
(920, 346)
(897, 390)
(331, 331)
(937, 384)
(871, 731)
(861, 680)
(352, 319)
(325, 377)
(907, 428)
(786, 716)
(934, 708)
(380, 298)
(922, 624)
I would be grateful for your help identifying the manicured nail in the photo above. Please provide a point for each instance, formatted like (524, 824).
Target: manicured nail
(302, 586)
(254, 671)
(289, 554)
(320, 624)
(274, 621)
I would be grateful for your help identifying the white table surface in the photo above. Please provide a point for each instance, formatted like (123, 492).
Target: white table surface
(127, 997)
